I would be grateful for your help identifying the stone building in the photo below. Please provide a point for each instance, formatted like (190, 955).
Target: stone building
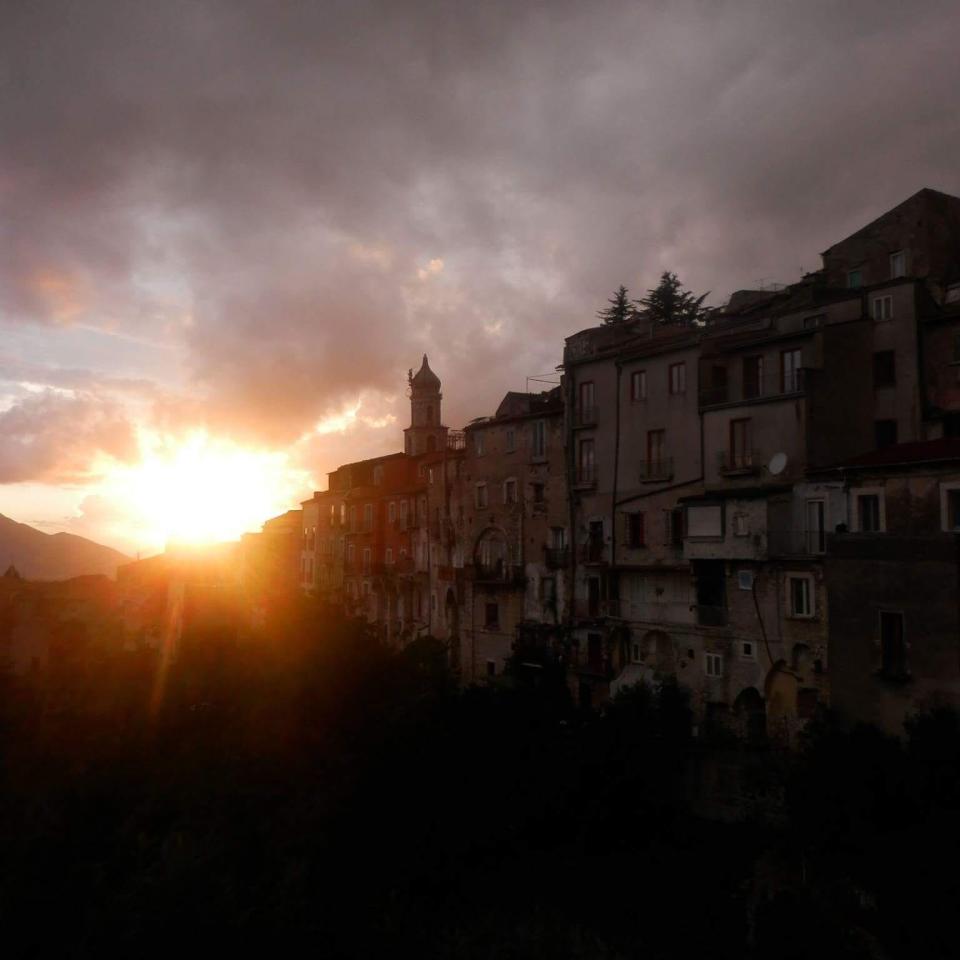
(699, 505)
(512, 524)
(892, 578)
(675, 507)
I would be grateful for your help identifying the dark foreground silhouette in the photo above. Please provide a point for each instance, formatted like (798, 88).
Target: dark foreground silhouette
(314, 791)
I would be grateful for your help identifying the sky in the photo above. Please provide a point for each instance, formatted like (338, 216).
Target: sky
(227, 229)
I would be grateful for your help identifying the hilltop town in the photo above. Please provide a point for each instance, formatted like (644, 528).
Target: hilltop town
(762, 505)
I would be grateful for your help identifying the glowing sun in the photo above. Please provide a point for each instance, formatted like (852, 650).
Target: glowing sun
(201, 490)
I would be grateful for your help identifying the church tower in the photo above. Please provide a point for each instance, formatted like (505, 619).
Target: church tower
(426, 433)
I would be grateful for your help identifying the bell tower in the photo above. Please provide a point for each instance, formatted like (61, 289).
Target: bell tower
(426, 432)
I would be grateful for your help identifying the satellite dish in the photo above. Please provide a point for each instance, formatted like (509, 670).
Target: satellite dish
(778, 463)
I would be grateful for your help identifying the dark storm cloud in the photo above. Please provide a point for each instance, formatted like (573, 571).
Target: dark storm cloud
(267, 183)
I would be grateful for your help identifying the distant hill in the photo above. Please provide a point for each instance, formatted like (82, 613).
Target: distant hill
(53, 556)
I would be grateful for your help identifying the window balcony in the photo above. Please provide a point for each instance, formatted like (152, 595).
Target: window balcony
(749, 390)
(796, 543)
(655, 471)
(585, 476)
(499, 572)
(556, 558)
(456, 440)
(586, 415)
(733, 463)
(592, 552)
(711, 616)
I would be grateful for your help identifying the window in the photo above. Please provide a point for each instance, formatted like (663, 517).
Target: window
(392, 511)
(388, 556)
(950, 508)
(748, 650)
(713, 665)
(353, 519)
(367, 558)
(352, 554)
(893, 649)
(587, 408)
(548, 590)
(635, 531)
(741, 452)
(509, 491)
(480, 495)
(885, 433)
(656, 448)
(491, 618)
(636, 652)
(536, 492)
(882, 308)
(790, 370)
(800, 595)
(898, 264)
(478, 443)
(368, 516)
(491, 668)
(816, 542)
(539, 439)
(884, 369)
(510, 439)
(558, 538)
(741, 525)
(854, 279)
(705, 520)
(678, 377)
(377, 475)
(752, 377)
(638, 385)
(675, 526)
(868, 514)
(587, 464)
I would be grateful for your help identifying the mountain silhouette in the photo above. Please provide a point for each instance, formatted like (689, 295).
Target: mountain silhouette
(53, 556)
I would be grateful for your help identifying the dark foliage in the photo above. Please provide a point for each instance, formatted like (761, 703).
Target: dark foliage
(670, 303)
(317, 789)
(619, 309)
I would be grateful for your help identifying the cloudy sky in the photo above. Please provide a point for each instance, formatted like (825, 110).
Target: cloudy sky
(228, 228)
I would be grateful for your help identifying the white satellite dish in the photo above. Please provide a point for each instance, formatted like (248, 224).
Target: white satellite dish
(777, 464)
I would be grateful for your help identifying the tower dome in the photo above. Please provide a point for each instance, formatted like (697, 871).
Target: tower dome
(425, 379)
(426, 432)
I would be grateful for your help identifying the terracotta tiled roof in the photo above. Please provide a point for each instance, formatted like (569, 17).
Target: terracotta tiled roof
(904, 454)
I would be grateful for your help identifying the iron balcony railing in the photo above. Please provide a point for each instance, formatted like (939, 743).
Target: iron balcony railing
(653, 470)
(556, 558)
(711, 616)
(749, 388)
(592, 551)
(586, 415)
(456, 440)
(796, 543)
(586, 475)
(732, 462)
(499, 572)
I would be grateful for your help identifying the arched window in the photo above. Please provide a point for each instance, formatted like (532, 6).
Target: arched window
(490, 555)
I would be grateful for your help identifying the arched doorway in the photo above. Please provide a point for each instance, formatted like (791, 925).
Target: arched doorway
(751, 715)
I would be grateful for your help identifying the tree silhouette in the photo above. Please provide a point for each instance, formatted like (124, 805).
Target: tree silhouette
(670, 303)
(620, 310)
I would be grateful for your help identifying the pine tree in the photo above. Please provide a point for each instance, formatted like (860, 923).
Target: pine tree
(670, 303)
(620, 309)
